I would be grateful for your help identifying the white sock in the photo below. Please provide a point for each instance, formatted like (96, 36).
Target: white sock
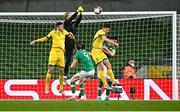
(73, 95)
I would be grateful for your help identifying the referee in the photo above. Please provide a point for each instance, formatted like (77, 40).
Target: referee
(71, 25)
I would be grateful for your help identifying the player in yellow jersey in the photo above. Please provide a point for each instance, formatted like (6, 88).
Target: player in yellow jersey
(56, 56)
(99, 57)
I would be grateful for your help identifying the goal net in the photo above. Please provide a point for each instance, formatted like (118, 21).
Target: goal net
(145, 37)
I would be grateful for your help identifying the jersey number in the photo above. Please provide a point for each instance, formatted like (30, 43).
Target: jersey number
(86, 55)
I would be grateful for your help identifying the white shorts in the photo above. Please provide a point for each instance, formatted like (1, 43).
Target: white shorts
(105, 73)
(84, 74)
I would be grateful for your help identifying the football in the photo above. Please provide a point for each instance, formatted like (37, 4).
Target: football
(97, 10)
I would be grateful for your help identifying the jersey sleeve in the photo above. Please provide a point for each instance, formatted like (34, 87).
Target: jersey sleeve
(105, 44)
(66, 32)
(113, 49)
(76, 56)
(78, 21)
(71, 18)
(69, 35)
(50, 34)
(101, 33)
(45, 38)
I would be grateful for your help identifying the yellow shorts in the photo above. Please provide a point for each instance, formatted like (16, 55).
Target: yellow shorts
(98, 55)
(56, 57)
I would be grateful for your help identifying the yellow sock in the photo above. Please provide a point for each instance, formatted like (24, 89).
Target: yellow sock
(103, 78)
(48, 79)
(111, 75)
(61, 80)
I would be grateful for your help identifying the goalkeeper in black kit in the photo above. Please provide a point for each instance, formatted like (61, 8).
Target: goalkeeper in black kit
(71, 26)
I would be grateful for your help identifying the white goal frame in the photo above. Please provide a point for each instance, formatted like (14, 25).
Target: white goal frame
(174, 16)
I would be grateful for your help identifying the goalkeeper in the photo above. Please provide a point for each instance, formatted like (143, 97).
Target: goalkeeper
(83, 57)
(110, 51)
(99, 56)
(71, 25)
(56, 56)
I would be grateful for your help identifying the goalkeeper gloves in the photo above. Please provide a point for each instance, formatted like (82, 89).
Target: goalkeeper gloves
(80, 9)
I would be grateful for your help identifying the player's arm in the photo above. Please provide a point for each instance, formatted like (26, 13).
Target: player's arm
(74, 63)
(109, 41)
(80, 10)
(71, 18)
(78, 20)
(39, 40)
(107, 51)
(43, 38)
(70, 35)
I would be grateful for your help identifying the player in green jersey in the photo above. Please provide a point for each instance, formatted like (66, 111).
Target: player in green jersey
(82, 57)
(110, 51)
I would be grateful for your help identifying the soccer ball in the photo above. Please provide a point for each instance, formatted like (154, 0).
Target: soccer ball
(97, 10)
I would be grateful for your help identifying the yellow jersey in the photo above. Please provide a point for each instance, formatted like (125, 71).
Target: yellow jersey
(97, 40)
(58, 38)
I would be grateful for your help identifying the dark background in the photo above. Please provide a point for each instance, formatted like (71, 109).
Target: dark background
(107, 5)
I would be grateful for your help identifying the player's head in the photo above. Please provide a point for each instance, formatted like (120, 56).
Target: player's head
(79, 46)
(67, 15)
(130, 62)
(106, 28)
(60, 26)
(113, 39)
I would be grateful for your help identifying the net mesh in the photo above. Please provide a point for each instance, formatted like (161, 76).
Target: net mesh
(147, 39)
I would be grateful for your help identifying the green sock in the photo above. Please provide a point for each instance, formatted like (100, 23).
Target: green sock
(100, 87)
(82, 89)
(108, 91)
(73, 90)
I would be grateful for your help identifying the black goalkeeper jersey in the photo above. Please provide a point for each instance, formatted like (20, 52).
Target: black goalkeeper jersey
(71, 26)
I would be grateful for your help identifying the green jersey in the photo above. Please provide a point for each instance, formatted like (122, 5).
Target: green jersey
(84, 58)
(111, 48)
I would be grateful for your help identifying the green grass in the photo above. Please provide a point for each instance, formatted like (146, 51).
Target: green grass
(89, 106)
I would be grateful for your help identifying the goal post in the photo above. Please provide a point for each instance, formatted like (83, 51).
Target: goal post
(174, 72)
(148, 37)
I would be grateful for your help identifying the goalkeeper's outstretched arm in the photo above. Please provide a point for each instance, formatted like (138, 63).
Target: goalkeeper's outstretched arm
(78, 20)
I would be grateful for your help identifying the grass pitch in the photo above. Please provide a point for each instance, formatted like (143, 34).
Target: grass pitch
(89, 105)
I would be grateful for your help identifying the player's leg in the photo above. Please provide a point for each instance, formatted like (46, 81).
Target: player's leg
(101, 74)
(68, 55)
(61, 79)
(73, 89)
(48, 78)
(69, 46)
(109, 70)
(61, 64)
(99, 89)
(74, 78)
(108, 91)
(82, 92)
(98, 57)
(84, 76)
(51, 63)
